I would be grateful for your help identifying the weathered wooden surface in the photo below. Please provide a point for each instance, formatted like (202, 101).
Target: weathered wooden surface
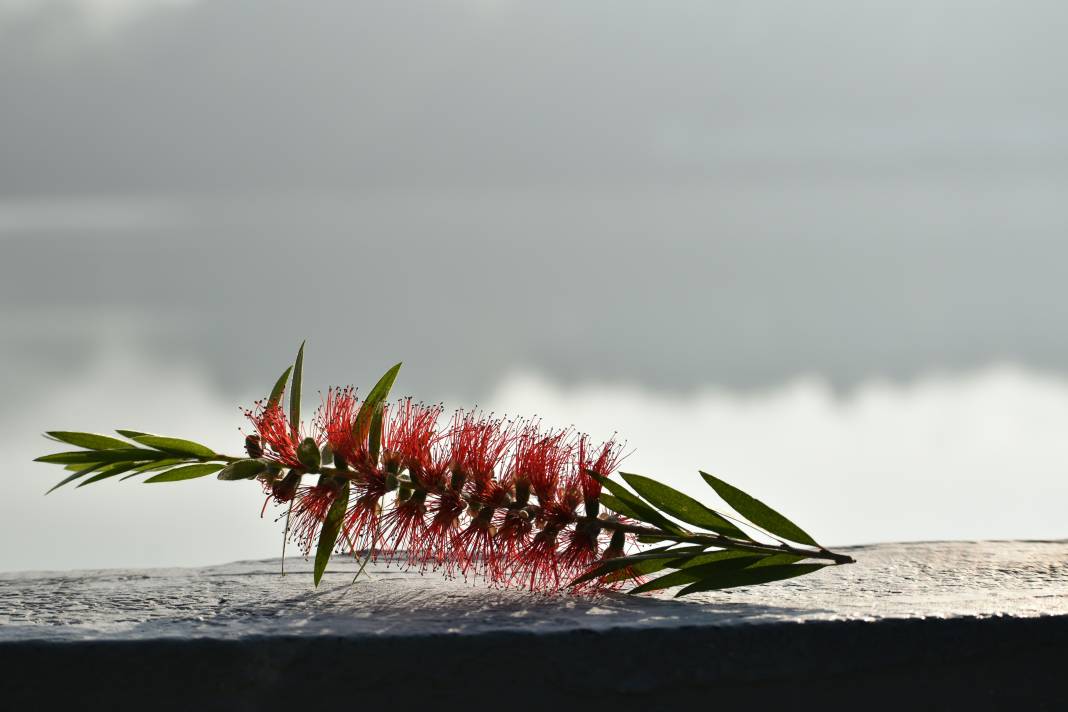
(942, 580)
(952, 623)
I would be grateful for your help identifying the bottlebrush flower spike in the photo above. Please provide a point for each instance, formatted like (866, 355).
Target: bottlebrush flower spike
(507, 501)
(337, 419)
(275, 433)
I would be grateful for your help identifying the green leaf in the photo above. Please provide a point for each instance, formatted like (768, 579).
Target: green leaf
(751, 576)
(607, 566)
(776, 559)
(76, 475)
(294, 392)
(757, 512)
(637, 508)
(101, 456)
(188, 472)
(130, 433)
(175, 445)
(331, 526)
(642, 568)
(695, 568)
(374, 435)
(620, 507)
(369, 419)
(642, 538)
(158, 465)
(91, 441)
(712, 556)
(243, 469)
(279, 386)
(681, 506)
(110, 471)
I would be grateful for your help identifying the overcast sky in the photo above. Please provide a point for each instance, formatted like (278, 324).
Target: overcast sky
(733, 192)
(252, 95)
(658, 198)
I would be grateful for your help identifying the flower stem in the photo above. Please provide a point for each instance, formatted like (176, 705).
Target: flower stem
(686, 537)
(723, 542)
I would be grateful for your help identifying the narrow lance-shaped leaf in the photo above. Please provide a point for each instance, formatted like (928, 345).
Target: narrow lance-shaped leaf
(374, 434)
(757, 512)
(279, 386)
(620, 507)
(110, 471)
(752, 576)
(681, 506)
(331, 527)
(92, 441)
(175, 446)
(685, 555)
(70, 478)
(638, 509)
(610, 565)
(88, 457)
(642, 538)
(242, 469)
(189, 472)
(369, 419)
(151, 466)
(642, 568)
(704, 565)
(294, 393)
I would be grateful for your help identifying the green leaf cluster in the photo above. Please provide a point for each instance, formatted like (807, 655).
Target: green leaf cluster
(103, 457)
(725, 558)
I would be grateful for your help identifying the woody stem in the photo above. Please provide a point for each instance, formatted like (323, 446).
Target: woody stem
(684, 537)
(721, 541)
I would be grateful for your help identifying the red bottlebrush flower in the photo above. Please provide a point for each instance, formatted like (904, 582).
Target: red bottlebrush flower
(309, 512)
(492, 493)
(409, 439)
(404, 528)
(539, 461)
(275, 433)
(478, 444)
(337, 418)
(513, 535)
(438, 546)
(476, 546)
(361, 523)
(580, 549)
(537, 565)
(616, 579)
(603, 461)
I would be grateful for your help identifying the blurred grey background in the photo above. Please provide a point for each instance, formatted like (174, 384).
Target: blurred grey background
(706, 210)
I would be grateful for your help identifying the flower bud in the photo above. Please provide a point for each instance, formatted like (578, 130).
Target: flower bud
(522, 493)
(593, 507)
(458, 478)
(286, 488)
(615, 546)
(308, 454)
(253, 447)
